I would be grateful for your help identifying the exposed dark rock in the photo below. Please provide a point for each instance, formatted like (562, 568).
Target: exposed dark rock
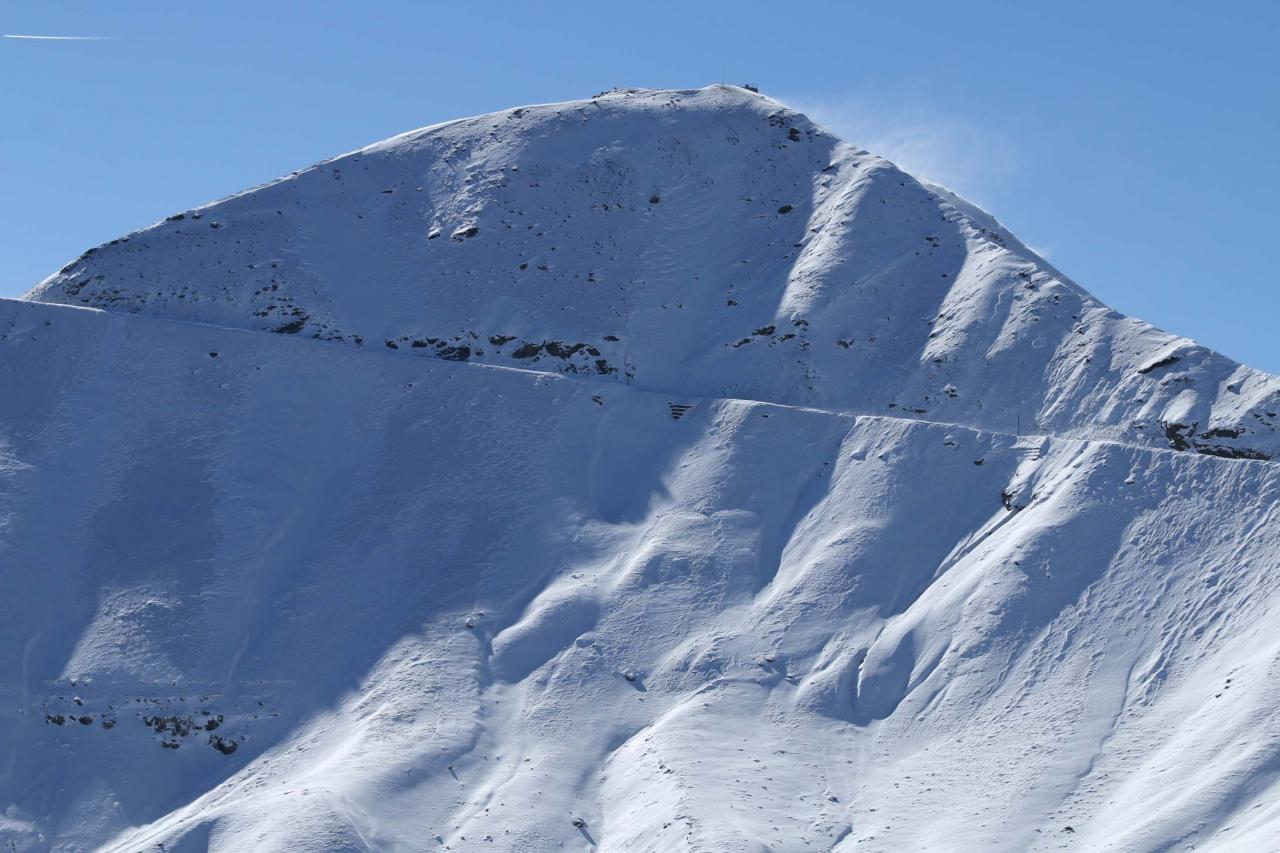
(1177, 434)
(170, 725)
(1164, 362)
(224, 745)
(458, 353)
(1232, 452)
(561, 350)
(1007, 500)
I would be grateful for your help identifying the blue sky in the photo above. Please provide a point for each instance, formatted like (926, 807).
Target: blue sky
(1133, 143)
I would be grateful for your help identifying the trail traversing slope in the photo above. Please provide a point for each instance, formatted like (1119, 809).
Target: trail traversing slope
(268, 593)
(455, 591)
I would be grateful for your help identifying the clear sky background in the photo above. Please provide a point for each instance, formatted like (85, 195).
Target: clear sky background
(1135, 144)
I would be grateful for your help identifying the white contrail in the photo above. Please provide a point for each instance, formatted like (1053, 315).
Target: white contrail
(57, 38)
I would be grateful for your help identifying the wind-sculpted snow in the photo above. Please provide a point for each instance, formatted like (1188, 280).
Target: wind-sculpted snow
(710, 242)
(426, 599)
(308, 591)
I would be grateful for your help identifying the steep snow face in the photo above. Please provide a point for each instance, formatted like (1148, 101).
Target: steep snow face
(907, 548)
(263, 593)
(711, 242)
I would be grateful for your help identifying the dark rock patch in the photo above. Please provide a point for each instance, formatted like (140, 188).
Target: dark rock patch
(1156, 365)
(224, 745)
(1177, 434)
(452, 353)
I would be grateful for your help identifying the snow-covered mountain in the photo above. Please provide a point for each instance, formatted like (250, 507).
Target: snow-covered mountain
(651, 472)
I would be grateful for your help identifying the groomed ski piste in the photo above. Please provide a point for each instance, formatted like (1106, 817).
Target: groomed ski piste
(651, 472)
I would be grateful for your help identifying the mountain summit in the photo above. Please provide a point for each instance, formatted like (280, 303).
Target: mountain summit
(650, 472)
(708, 242)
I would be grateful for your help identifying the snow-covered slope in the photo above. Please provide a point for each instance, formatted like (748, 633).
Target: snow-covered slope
(868, 532)
(711, 242)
